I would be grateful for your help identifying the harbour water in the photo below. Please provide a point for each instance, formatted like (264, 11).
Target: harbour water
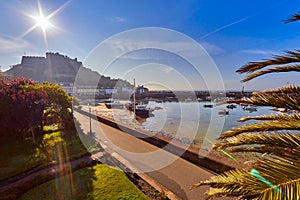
(188, 122)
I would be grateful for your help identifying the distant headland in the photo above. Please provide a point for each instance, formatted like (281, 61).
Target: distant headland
(61, 69)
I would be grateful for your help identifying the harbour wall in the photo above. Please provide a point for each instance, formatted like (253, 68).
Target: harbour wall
(189, 154)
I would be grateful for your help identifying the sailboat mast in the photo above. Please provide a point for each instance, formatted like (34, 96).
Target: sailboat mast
(242, 92)
(134, 100)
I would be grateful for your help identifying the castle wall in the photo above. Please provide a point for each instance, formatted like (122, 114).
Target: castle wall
(33, 62)
(63, 63)
(61, 69)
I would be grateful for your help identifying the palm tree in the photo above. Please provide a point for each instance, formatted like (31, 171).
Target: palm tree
(276, 175)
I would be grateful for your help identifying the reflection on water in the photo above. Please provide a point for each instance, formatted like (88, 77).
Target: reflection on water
(187, 121)
(169, 118)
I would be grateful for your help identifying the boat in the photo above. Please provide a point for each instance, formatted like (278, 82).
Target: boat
(157, 108)
(110, 100)
(141, 111)
(199, 99)
(208, 105)
(250, 108)
(223, 112)
(114, 104)
(231, 106)
(129, 106)
(282, 110)
(188, 99)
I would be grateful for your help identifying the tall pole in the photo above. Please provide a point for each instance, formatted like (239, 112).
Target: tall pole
(134, 101)
(242, 93)
(90, 118)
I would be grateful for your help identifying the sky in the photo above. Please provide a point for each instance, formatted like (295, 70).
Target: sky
(229, 33)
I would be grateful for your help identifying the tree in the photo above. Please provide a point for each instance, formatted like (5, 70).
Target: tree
(25, 103)
(20, 108)
(276, 174)
(58, 102)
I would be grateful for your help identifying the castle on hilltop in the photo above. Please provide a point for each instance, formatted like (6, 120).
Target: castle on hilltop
(54, 68)
(63, 70)
(51, 60)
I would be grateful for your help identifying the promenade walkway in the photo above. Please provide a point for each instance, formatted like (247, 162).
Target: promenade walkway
(175, 175)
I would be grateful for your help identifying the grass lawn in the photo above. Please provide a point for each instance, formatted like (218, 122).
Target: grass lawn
(97, 182)
(54, 146)
(16, 156)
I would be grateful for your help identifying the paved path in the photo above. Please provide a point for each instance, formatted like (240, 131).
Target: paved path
(166, 169)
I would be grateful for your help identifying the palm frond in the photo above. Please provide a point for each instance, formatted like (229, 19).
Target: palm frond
(217, 192)
(289, 89)
(285, 97)
(290, 57)
(278, 180)
(292, 124)
(286, 145)
(229, 181)
(279, 171)
(291, 189)
(285, 140)
(279, 100)
(276, 175)
(293, 18)
(290, 155)
(294, 116)
(295, 68)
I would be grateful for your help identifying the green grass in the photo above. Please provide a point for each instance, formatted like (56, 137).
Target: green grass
(18, 155)
(97, 182)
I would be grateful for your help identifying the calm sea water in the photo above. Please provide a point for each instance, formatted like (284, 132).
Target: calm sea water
(191, 121)
(187, 122)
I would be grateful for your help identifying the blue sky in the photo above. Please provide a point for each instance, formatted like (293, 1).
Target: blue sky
(233, 32)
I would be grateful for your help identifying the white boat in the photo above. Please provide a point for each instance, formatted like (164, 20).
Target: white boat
(223, 112)
(188, 100)
(283, 110)
(250, 108)
(114, 104)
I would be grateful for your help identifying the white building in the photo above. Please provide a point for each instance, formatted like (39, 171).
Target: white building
(126, 90)
(109, 91)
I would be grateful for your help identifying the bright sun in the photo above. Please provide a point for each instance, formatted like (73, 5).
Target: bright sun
(42, 22)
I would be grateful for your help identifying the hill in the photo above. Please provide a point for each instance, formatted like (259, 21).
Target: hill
(61, 69)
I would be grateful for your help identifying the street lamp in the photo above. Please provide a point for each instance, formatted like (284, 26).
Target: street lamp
(90, 114)
(134, 101)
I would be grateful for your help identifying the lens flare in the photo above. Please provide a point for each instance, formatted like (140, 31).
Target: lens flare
(257, 175)
(43, 22)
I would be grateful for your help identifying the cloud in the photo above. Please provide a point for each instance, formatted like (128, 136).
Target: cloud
(10, 45)
(118, 19)
(166, 69)
(152, 45)
(186, 47)
(211, 48)
(257, 51)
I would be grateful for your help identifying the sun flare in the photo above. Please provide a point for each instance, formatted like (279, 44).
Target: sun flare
(43, 22)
